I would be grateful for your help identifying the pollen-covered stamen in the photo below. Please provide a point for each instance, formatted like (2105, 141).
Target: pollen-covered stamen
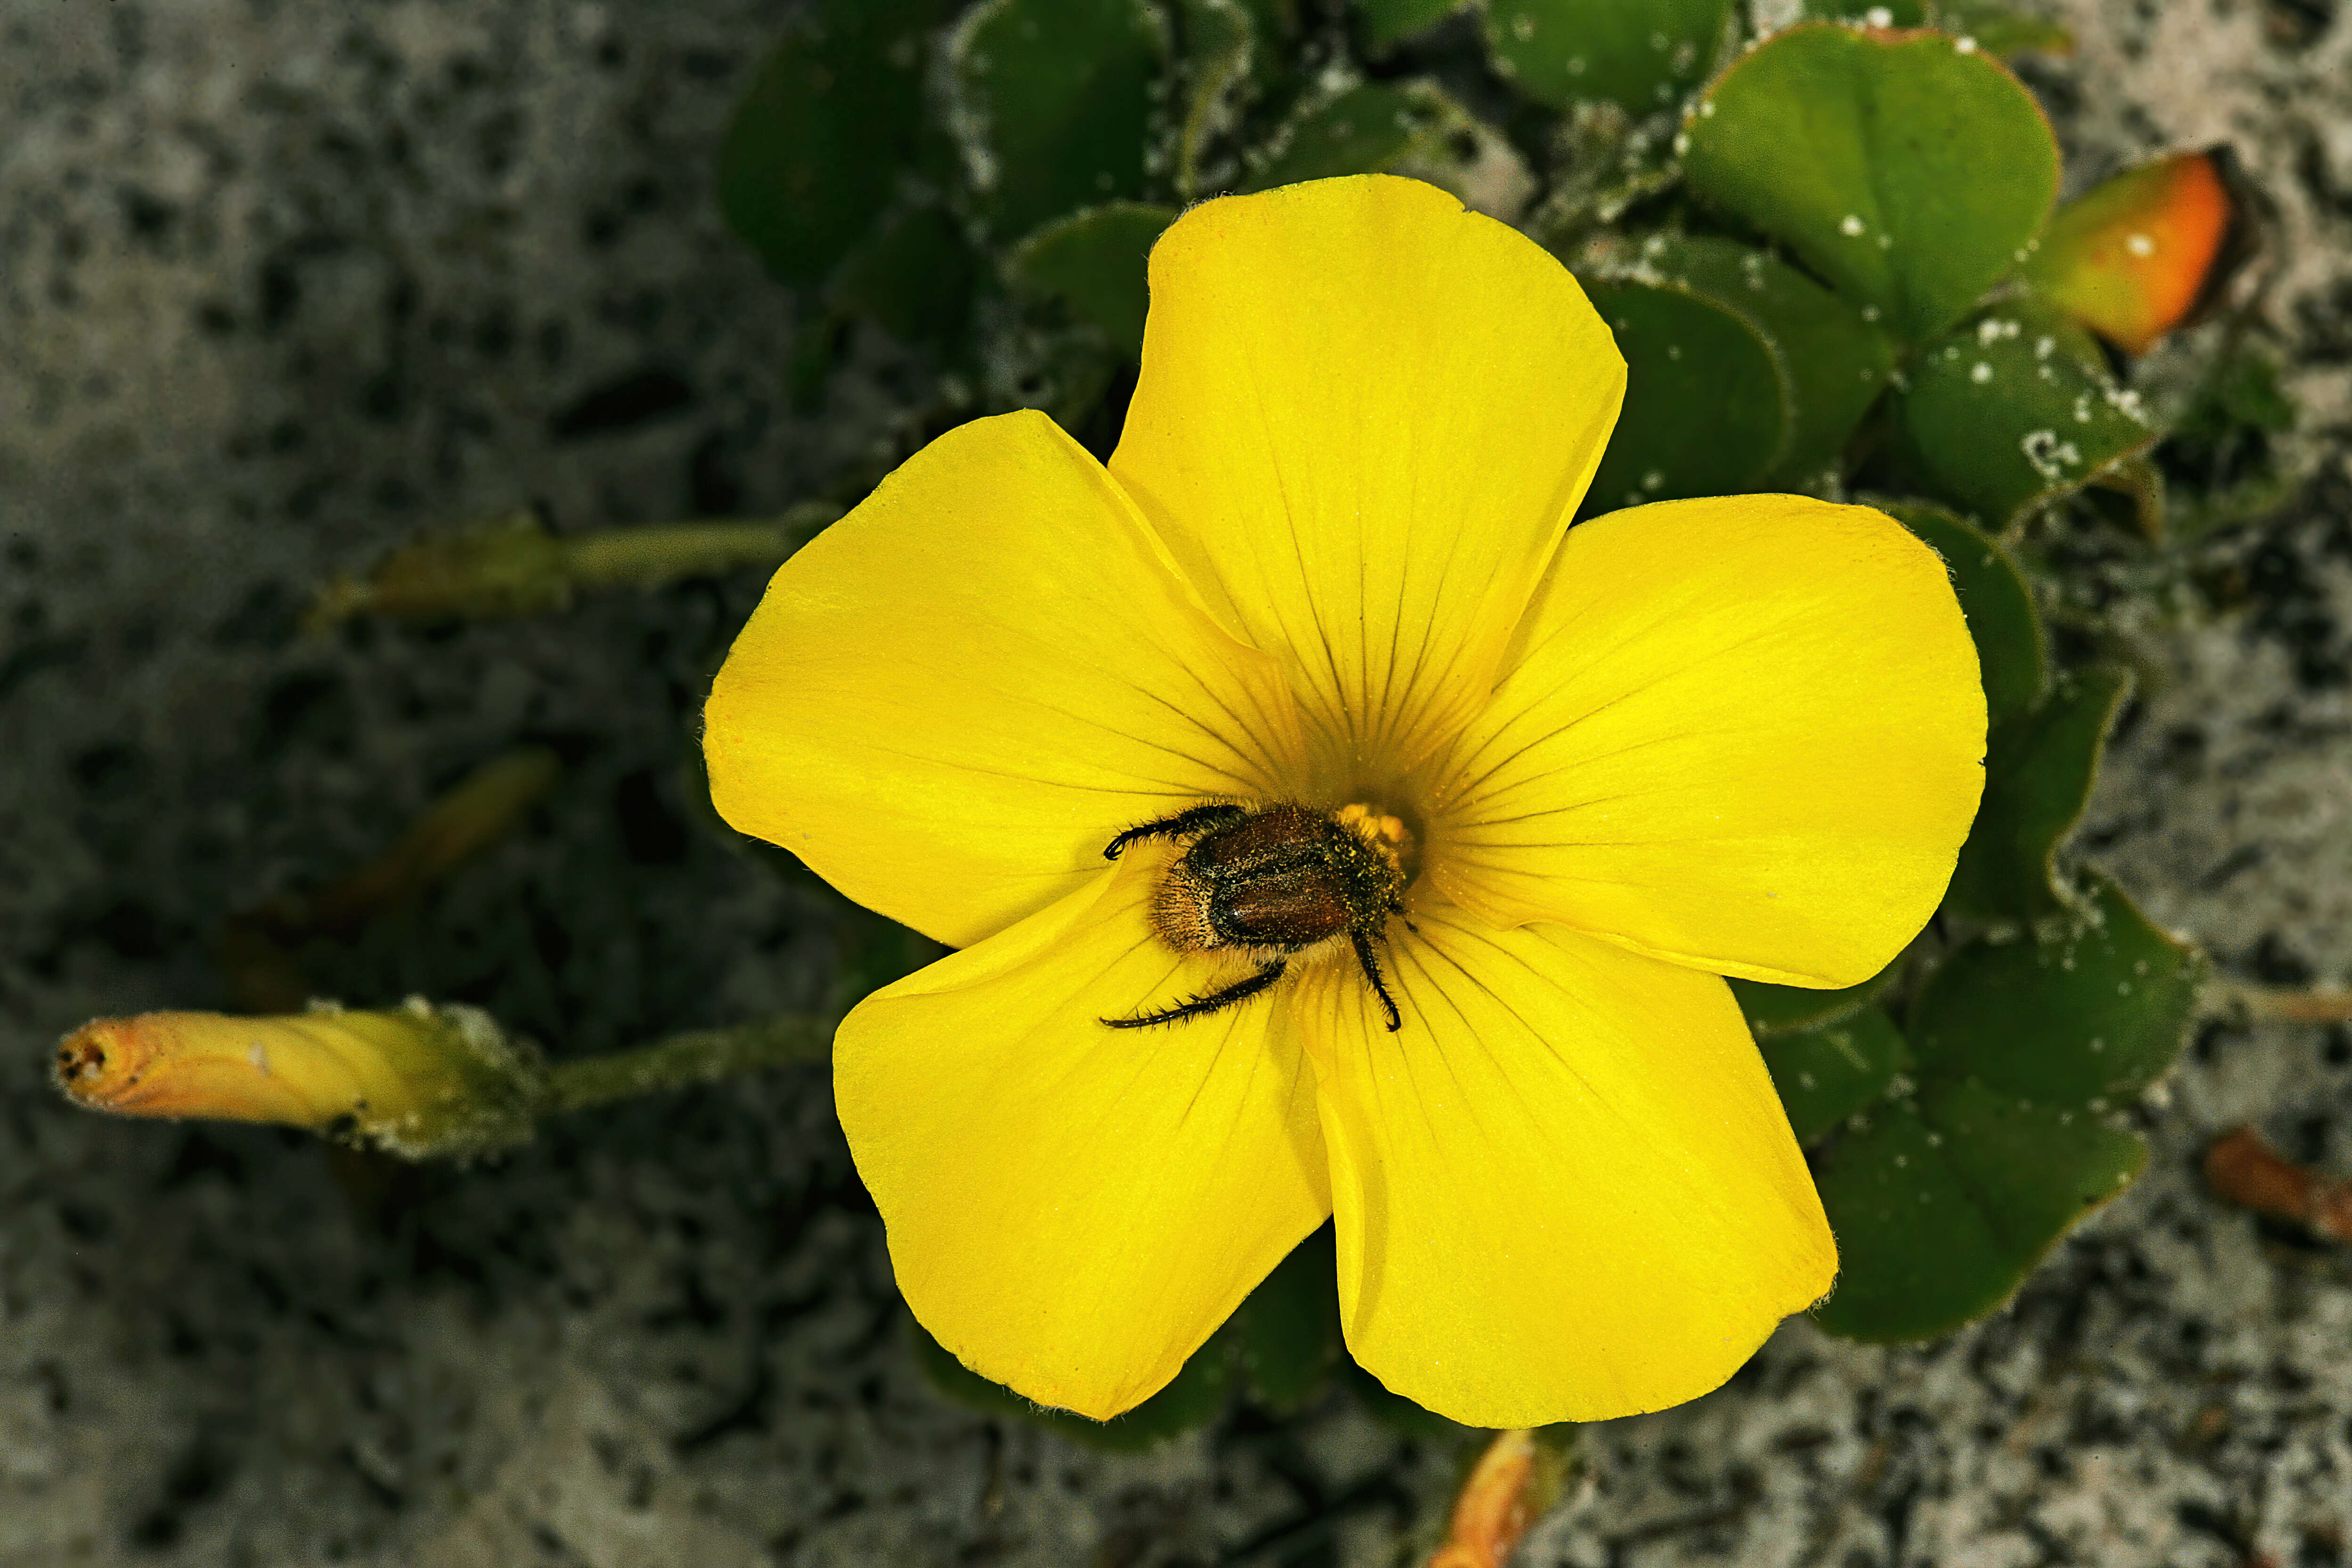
(1384, 832)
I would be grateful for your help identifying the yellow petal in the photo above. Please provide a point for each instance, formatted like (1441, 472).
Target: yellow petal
(1565, 1189)
(950, 702)
(1366, 414)
(1745, 734)
(1073, 1209)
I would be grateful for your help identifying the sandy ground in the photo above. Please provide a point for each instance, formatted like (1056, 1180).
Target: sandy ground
(283, 282)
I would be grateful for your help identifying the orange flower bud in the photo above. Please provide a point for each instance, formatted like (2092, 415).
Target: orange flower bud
(2135, 256)
(416, 1080)
(1518, 1476)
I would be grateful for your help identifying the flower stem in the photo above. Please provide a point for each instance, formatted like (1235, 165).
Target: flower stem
(512, 566)
(2281, 1004)
(697, 1056)
(659, 553)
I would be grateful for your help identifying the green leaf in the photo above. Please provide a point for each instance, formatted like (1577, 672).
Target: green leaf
(1907, 172)
(2083, 1020)
(2001, 31)
(914, 274)
(1358, 129)
(2024, 1048)
(1094, 262)
(1051, 103)
(1286, 1336)
(1642, 54)
(1385, 22)
(1785, 1009)
(2039, 769)
(2015, 408)
(1993, 596)
(1706, 397)
(1942, 1205)
(1826, 1073)
(1194, 1398)
(815, 146)
(1837, 362)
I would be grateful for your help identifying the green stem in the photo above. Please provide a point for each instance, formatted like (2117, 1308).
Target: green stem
(658, 552)
(2275, 1003)
(698, 1056)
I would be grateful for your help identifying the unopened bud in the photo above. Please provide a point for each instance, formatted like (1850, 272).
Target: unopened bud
(1519, 1476)
(418, 1080)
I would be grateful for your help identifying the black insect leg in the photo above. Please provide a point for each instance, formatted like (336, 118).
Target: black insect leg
(1214, 1001)
(1199, 819)
(1372, 973)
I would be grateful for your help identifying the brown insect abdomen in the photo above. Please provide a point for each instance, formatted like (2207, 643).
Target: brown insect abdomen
(1284, 909)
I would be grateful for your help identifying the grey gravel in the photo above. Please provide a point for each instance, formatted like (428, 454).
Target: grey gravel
(284, 283)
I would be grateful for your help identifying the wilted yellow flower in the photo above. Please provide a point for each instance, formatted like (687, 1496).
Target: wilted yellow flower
(1328, 565)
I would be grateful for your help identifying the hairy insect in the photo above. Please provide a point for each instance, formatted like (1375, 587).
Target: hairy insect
(1269, 881)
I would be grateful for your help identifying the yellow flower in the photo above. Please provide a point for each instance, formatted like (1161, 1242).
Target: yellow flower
(1328, 564)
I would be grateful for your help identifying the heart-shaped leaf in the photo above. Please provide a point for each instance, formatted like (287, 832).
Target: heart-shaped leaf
(1706, 397)
(1051, 103)
(1358, 130)
(2015, 408)
(1837, 362)
(1992, 27)
(2025, 1051)
(1641, 53)
(816, 147)
(2083, 1020)
(1094, 262)
(1827, 1073)
(1943, 1205)
(1906, 169)
(2000, 31)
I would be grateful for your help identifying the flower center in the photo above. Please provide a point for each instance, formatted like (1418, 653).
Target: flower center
(1387, 833)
